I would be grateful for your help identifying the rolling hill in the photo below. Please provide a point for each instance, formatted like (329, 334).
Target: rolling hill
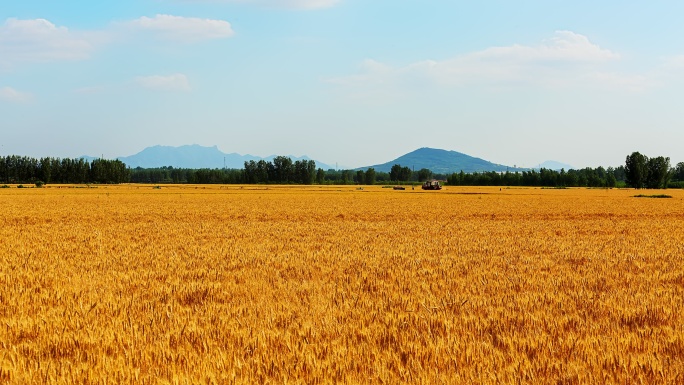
(441, 162)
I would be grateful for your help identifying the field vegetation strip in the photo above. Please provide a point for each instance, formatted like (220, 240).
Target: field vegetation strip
(194, 284)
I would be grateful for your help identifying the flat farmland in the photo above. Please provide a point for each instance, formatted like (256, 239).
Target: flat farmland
(279, 284)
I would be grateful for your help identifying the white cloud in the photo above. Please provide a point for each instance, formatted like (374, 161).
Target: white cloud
(287, 4)
(9, 94)
(567, 45)
(183, 29)
(39, 40)
(564, 60)
(674, 63)
(175, 82)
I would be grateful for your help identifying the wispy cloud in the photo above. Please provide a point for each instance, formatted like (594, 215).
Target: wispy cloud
(566, 59)
(171, 83)
(39, 40)
(282, 4)
(674, 63)
(9, 94)
(182, 29)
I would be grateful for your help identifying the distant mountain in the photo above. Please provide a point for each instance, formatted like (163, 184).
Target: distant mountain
(195, 156)
(556, 166)
(442, 162)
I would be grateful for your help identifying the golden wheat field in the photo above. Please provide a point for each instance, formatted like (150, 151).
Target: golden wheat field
(254, 284)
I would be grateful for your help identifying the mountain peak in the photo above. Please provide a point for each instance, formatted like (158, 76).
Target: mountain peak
(442, 162)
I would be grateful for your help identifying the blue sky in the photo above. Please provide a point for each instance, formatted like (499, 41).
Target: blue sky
(353, 82)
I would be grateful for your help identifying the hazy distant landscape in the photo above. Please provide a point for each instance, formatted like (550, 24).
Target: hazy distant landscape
(196, 156)
(451, 167)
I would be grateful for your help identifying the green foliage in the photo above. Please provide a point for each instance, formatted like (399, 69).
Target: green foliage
(653, 196)
(394, 172)
(4, 186)
(346, 176)
(304, 171)
(320, 176)
(21, 186)
(636, 170)
(281, 170)
(39, 184)
(659, 173)
(370, 176)
(424, 174)
(399, 173)
(678, 173)
(16, 169)
(587, 177)
(360, 177)
(644, 172)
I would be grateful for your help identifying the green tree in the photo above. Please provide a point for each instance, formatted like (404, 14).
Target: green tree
(320, 176)
(659, 172)
(346, 176)
(395, 172)
(679, 172)
(283, 169)
(611, 181)
(304, 171)
(250, 172)
(46, 170)
(310, 172)
(405, 174)
(360, 177)
(262, 171)
(424, 174)
(636, 170)
(370, 176)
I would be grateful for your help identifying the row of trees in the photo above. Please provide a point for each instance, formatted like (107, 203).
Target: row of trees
(281, 170)
(639, 172)
(186, 175)
(399, 173)
(644, 172)
(587, 177)
(23, 169)
(261, 172)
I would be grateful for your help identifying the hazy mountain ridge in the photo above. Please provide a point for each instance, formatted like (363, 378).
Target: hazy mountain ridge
(196, 156)
(556, 166)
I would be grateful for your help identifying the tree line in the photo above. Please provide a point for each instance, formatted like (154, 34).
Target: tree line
(23, 169)
(587, 177)
(282, 171)
(639, 171)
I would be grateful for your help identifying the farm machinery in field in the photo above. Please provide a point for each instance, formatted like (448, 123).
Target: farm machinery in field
(432, 185)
